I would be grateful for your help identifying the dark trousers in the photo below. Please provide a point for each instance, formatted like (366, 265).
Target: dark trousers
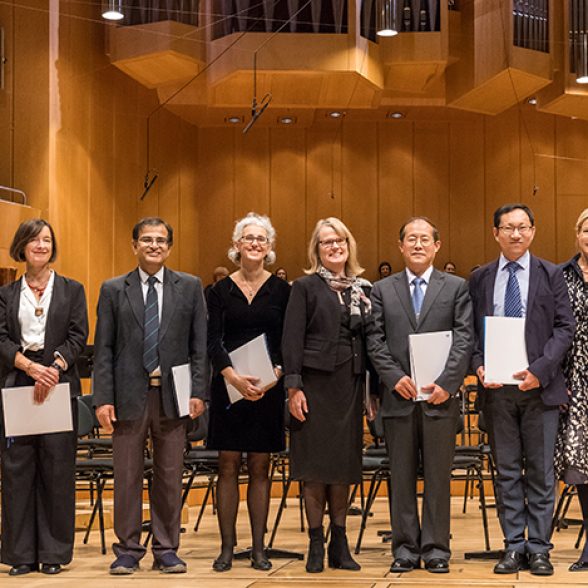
(522, 434)
(168, 438)
(38, 495)
(411, 440)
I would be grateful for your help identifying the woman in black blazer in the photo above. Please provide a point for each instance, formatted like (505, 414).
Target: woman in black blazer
(323, 347)
(43, 329)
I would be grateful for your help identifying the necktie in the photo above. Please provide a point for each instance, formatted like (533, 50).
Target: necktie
(417, 295)
(151, 327)
(513, 305)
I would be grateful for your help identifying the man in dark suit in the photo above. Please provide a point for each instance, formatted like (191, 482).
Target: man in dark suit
(420, 299)
(148, 321)
(523, 419)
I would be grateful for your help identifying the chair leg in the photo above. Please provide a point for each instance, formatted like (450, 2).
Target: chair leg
(204, 502)
(373, 490)
(279, 513)
(301, 504)
(99, 495)
(482, 494)
(555, 524)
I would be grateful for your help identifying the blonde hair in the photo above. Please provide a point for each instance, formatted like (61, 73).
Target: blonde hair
(352, 267)
(581, 220)
(258, 220)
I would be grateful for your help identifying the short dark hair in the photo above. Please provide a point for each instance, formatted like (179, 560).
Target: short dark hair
(384, 264)
(506, 208)
(153, 221)
(412, 219)
(26, 232)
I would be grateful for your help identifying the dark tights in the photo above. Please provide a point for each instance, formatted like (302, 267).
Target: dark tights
(583, 497)
(316, 496)
(227, 496)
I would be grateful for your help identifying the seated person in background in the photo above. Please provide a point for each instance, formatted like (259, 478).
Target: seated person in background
(449, 268)
(384, 270)
(218, 274)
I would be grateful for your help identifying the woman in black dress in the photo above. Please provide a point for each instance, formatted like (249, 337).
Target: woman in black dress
(248, 303)
(571, 454)
(324, 361)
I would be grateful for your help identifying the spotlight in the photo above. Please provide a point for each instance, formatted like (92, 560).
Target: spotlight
(532, 100)
(395, 115)
(234, 120)
(336, 114)
(113, 10)
(287, 120)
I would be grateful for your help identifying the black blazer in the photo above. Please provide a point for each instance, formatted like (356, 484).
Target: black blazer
(311, 330)
(66, 328)
(549, 325)
(119, 376)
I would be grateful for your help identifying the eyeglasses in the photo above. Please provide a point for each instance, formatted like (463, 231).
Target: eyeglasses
(330, 243)
(159, 241)
(509, 230)
(424, 240)
(250, 239)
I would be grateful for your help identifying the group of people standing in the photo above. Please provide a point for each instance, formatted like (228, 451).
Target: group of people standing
(322, 334)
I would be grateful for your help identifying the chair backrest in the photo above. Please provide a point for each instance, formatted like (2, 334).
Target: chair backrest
(198, 429)
(88, 400)
(85, 420)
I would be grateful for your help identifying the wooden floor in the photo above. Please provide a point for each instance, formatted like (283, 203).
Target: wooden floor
(90, 569)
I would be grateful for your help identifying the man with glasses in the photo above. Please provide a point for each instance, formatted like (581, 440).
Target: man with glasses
(523, 418)
(420, 425)
(149, 321)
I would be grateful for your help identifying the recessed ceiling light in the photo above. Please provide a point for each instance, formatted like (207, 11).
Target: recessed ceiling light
(395, 115)
(287, 120)
(234, 120)
(582, 80)
(336, 114)
(532, 100)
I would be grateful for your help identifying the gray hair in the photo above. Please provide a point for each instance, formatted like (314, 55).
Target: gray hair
(262, 221)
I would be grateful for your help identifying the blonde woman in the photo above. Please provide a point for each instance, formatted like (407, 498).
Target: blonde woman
(324, 360)
(248, 303)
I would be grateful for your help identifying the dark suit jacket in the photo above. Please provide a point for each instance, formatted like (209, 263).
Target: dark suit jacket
(311, 330)
(119, 376)
(446, 307)
(66, 328)
(549, 325)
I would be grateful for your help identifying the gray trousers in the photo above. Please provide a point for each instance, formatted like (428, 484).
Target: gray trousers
(412, 440)
(522, 435)
(168, 439)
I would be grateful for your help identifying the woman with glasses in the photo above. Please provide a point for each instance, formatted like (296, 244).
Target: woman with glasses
(248, 303)
(43, 330)
(571, 456)
(324, 361)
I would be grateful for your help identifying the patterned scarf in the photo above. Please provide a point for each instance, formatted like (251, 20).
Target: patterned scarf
(340, 284)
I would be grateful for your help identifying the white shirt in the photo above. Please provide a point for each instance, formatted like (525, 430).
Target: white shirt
(426, 277)
(144, 276)
(502, 279)
(32, 327)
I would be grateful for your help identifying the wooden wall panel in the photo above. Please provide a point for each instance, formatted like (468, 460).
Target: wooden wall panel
(464, 243)
(359, 165)
(395, 188)
(288, 198)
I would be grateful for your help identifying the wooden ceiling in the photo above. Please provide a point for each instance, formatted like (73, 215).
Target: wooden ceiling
(470, 65)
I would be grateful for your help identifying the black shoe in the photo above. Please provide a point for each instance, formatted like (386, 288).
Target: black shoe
(579, 566)
(262, 563)
(540, 565)
(511, 562)
(437, 565)
(170, 563)
(401, 565)
(51, 569)
(22, 569)
(123, 565)
(339, 556)
(220, 565)
(315, 560)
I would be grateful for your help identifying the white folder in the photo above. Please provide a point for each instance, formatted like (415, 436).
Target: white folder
(23, 417)
(505, 350)
(428, 357)
(252, 359)
(182, 377)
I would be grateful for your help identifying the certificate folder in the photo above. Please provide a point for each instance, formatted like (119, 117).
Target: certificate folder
(428, 356)
(23, 417)
(505, 350)
(182, 378)
(252, 359)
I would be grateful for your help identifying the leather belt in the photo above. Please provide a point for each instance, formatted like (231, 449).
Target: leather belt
(155, 381)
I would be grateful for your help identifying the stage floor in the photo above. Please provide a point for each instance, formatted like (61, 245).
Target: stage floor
(90, 568)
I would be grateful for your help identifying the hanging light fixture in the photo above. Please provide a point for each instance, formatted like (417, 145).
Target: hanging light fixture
(582, 59)
(112, 10)
(387, 21)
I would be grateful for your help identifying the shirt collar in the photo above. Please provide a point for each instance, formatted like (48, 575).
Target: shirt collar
(524, 260)
(144, 276)
(426, 276)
